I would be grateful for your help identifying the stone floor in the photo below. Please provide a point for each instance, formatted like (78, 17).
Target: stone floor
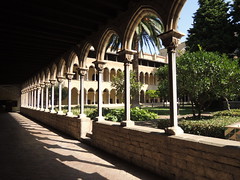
(30, 151)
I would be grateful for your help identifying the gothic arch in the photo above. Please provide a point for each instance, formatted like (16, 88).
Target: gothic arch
(103, 43)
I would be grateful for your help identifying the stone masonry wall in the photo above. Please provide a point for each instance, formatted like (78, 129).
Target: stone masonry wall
(69, 125)
(175, 157)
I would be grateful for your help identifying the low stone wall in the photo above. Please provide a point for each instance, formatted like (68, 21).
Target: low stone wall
(72, 126)
(175, 157)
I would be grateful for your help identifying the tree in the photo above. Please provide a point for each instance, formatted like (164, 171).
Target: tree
(118, 84)
(204, 77)
(235, 14)
(152, 95)
(145, 36)
(211, 29)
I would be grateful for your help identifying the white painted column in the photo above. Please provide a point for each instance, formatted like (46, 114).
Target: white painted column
(60, 80)
(170, 40)
(47, 84)
(69, 77)
(42, 96)
(99, 66)
(35, 97)
(82, 72)
(32, 98)
(127, 56)
(38, 97)
(53, 82)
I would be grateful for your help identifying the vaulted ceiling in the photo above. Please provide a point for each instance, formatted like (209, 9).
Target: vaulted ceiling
(35, 32)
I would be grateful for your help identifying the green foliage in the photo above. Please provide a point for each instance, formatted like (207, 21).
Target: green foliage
(204, 77)
(206, 126)
(232, 112)
(211, 28)
(117, 115)
(118, 83)
(146, 34)
(235, 13)
(138, 114)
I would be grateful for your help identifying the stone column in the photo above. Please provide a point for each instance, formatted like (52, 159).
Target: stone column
(32, 97)
(127, 57)
(82, 72)
(99, 66)
(60, 80)
(53, 82)
(170, 40)
(47, 84)
(69, 77)
(42, 95)
(38, 97)
(35, 98)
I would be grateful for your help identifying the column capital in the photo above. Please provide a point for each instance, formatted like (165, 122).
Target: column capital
(69, 75)
(99, 65)
(60, 79)
(42, 85)
(47, 83)
(53, 81)
(82, 71)
(38, 86)
(170, 39)
(126, 55)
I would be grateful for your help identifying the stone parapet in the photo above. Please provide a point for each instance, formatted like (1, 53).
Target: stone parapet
(72, 126)
(175, 157)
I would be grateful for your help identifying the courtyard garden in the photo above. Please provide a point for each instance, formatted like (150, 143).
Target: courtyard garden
(210, 124)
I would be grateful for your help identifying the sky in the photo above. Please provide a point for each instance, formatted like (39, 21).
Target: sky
(186, 17)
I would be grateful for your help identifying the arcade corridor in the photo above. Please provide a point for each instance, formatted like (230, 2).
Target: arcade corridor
(31, 151)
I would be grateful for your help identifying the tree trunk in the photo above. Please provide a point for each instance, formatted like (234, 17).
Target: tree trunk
(228, 104)
(193, 109)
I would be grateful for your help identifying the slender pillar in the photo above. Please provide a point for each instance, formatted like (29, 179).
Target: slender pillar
(35, 97)
(99, 66)
(38, 97)
(53, 82)
(42, 95)
(170, 40)
(47, 84)
(69, 77)
(82, 72)
(127, 56)
(32, 97)
(60, 80)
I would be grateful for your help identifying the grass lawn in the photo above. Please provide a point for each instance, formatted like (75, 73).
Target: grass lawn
(166, 111)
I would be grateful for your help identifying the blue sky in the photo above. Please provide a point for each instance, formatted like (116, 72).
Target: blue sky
(186, 20)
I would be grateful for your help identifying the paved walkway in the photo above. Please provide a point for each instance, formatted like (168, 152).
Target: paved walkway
(30, 151)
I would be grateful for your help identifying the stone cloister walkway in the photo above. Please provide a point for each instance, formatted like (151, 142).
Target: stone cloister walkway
(31, 151)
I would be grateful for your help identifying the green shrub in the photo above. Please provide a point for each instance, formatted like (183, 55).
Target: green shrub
(232, 112)
(138, 114)
(212, 127)
(117, 115)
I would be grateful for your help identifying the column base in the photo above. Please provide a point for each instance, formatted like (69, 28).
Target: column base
(82, 116)
(60, 113)
(53, 111)
(99, 118)
(174, 130)
(69, 114)
(38, 109)
(41, 109)
(46, 110)
(127, 123)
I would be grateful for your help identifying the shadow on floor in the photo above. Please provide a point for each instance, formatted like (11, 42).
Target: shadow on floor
(32, 151)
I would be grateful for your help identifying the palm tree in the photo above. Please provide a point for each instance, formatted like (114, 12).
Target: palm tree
(145, 36)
